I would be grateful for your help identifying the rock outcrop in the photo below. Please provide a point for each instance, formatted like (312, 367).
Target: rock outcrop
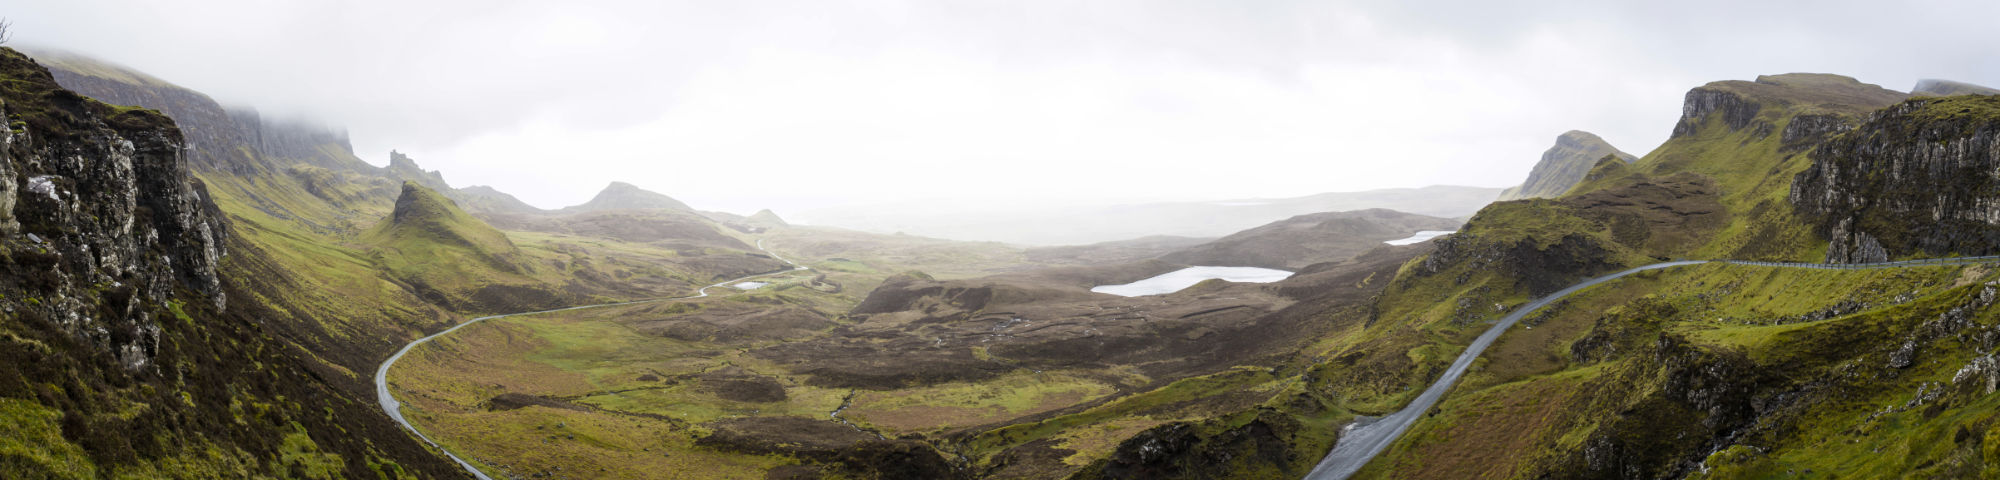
(1922, 177)
(1564, 165)
(108, 220)
(402, 168)
(1745, 105)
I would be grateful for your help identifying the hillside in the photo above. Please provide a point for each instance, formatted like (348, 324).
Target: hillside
(1085, 225)
(485, 199)
(449, 257)
(192, 291)
(322, 280)
(1303, 240)
(625, 196)
(1660, 384)
(1563, 165)
(767, 219)
(124, 352)
(1945, 88)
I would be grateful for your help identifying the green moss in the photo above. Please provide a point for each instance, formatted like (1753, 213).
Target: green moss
(34, 447)
(303, 456)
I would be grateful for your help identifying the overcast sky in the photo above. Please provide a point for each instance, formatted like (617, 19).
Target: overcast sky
(740, 105)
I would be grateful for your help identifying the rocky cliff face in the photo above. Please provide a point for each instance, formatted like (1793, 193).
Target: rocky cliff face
(401, 167)
(130, 346)
(238, 141)
(101, 217)
(1736, 111)
(1745, 105)
(1564, 165)
(1920, 177)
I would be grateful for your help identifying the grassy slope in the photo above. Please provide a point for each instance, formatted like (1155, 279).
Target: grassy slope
(1531, 395)
(1535, 392)
(331, 292)
(228, 401)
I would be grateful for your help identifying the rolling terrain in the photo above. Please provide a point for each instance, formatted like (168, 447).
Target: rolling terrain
(194, 291)
(1088, 225)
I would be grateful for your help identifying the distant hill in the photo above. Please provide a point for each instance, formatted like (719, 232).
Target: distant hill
(767, 219)
(1564, 164)
(484, 199)
(1304, 240)
(1121, 251)
(626, 196)
(1945, 88)
(1084, 225)
(434, 246)
(424, 215)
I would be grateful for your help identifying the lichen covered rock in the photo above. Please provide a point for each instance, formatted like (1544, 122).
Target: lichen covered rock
(109, 223)
(1921, 177)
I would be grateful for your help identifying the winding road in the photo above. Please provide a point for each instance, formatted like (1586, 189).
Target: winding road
(394, 408)
(1362, 440)
(1359, 442)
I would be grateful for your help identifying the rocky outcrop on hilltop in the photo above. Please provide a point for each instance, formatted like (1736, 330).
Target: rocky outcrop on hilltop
(1919, 177)
(1564, 165)
(1743, 105)
(1736, 111)
(105, 219)
(402, 168)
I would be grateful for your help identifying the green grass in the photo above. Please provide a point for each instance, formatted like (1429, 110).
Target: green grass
(34, 443)
(1721, 308)
(954, 405)
(1183, 390)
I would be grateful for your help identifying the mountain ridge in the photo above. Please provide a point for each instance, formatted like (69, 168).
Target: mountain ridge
(1564, 165)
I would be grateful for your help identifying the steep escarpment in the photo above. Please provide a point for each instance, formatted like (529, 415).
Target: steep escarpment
(1717, 371)
(98, 195)
(1739, 104)
(127, 347)
(1747, 139)
(1922, 177)
(1564, 165)
(404, 169)
(236, 140)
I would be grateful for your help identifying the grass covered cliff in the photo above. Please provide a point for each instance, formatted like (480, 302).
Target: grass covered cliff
(133, 347)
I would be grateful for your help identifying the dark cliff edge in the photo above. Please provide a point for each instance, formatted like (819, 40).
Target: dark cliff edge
(1918, 178)
(126, 348)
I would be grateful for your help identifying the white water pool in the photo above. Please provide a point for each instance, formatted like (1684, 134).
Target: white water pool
(749, 285)
(1174, 281)
(1421, 237)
